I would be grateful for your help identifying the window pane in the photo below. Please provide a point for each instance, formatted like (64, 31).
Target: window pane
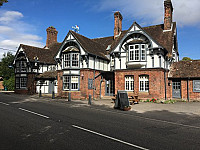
(66, 82)
(144, 83)
(74, 82)
(23, 82)
(137, 54)
(129, 83)
(75, 60)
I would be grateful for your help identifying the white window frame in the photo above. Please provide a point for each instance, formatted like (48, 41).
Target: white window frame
(144, 83)
(71, 60)
(74, 82)
(137, 54)
(66, 82)
(71, 83)
(129, 83)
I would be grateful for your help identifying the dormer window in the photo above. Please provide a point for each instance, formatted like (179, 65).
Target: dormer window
(137, 52)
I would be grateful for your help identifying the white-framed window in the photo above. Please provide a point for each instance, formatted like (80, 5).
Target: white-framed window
(74, 82)
(21, 66)
(129, 83)
(66, 60)
(75, 60)
(137, 52)
(66, 82)
(144, 83)
(20, 83)
(70, 82)
(71, 60)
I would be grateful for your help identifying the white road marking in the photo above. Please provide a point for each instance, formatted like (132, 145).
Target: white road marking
(146, 118)
(108, 137)
(34, 113)
(4, 103)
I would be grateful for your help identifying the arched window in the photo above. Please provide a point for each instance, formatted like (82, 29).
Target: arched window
(144, 83)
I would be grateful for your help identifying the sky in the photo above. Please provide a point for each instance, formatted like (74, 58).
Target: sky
(25, 21)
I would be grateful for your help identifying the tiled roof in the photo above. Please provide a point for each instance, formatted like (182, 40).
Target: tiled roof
(47, 75)
(90, 46)
(164, 39)
(185, 69)
(44, 55)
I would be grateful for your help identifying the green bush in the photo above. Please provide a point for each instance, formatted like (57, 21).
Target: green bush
(9, 84)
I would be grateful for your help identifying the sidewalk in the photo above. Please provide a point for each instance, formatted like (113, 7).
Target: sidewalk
(189, 108)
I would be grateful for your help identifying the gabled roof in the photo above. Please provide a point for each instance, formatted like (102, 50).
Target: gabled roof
(163, 38)
(185, 69)
(90, 46)
(44, 55)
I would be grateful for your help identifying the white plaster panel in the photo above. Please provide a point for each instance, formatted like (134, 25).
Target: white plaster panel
(91, 62)
(75, 72)
(66, 72)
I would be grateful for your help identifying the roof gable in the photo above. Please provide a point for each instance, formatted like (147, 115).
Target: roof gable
(44, 55)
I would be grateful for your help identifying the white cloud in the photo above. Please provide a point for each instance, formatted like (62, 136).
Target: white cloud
(152, 11)
(14, 31)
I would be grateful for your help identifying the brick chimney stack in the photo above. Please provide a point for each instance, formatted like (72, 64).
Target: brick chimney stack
(51, 36)
(168, 14)
(118, 23)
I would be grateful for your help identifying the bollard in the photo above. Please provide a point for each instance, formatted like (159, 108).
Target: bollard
(69, 97)
(53, 95)
(89, 100)
(40, 93)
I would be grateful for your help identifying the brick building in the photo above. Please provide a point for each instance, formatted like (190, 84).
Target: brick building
(1, 84)
(139, 60)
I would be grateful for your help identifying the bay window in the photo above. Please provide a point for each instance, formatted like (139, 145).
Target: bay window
(70, 60)
(137, 52)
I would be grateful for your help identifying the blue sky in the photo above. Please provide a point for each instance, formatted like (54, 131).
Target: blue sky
(25, 21)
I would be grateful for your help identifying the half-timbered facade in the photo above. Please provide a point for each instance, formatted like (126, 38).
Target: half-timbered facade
(137, 60)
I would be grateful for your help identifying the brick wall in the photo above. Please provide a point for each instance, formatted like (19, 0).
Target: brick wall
(84, 91)
(31, 86)
(156, 82)
(1, 85)
(193, 96)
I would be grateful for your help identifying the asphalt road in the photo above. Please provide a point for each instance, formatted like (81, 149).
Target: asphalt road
(31, 124)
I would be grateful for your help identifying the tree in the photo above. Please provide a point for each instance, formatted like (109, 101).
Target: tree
(3, 1)
(186, 59)
(7, 71)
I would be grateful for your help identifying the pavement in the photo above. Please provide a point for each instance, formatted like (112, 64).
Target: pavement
(188, 108)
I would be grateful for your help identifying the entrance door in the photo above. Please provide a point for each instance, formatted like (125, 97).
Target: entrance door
(176, 89)
(109, 88)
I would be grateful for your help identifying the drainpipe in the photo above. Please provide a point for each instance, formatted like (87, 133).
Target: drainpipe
(94, 79)
(100, 85)
(188, 94)
(165, 85)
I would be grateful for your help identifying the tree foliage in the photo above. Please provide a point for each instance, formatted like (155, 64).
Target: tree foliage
(7, 71)
(186, 59)
(3, 1)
